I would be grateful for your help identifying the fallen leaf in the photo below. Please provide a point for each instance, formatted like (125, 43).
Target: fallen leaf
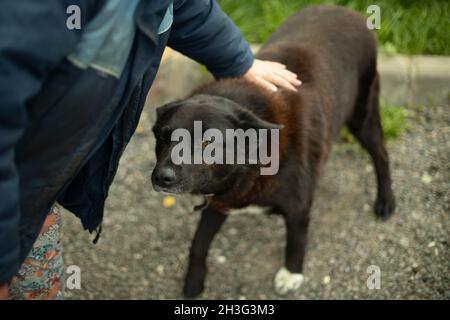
(168, 202)
(426, 179)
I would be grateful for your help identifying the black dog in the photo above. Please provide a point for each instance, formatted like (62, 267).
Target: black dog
(335, 56)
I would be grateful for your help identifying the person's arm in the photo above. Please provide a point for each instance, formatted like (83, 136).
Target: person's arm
(33, 40)
(203, 32)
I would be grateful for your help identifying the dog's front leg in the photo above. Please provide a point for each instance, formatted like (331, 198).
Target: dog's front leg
(210, 222)
(290, 277)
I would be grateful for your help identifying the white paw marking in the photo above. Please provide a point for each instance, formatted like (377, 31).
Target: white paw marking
(285, 281)
(251, 209)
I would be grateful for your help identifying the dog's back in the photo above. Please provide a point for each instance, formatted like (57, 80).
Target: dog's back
(332, 51)
(334, 54)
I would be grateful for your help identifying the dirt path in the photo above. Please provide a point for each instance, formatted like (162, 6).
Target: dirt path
(143, 249)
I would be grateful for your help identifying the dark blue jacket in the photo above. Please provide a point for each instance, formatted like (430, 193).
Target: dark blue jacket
(62, 128)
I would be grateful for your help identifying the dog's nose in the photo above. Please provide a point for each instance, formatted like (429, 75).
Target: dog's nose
(165, 177)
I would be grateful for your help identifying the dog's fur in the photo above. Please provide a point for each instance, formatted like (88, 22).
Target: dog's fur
(335, 56)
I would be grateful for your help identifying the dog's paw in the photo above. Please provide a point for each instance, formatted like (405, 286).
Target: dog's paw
(194, 284)
(286, 281)
(193, 289)
(384, 207)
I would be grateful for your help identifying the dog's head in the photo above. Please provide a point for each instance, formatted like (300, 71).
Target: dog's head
(189, 129)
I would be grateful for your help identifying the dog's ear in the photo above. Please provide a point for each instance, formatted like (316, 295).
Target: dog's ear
(167, 108)
(248, 119)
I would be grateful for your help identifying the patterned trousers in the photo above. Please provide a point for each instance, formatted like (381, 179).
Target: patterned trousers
(41, 275)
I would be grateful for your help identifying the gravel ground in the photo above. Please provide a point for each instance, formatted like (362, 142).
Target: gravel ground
(142, 253)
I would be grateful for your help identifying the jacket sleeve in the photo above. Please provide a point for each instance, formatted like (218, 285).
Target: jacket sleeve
(33, 39)
(203, 32)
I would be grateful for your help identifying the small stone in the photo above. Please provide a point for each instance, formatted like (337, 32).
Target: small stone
(140, 129)
(415, 215)
(133, 218)
(221, 259)
(160, 269)
(426, 179)
(404, 242)
(431, 244)
(326, 280)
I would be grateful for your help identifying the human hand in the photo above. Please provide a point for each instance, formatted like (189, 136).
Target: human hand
(271, 75)
(3, 292)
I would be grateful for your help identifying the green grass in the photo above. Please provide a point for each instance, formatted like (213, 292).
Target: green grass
(407, 26)
(394, 120)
